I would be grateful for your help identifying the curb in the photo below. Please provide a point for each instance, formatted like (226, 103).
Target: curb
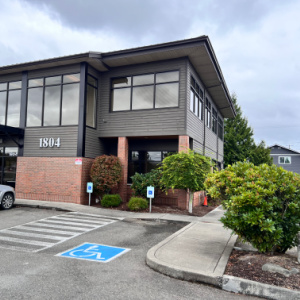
(44, 207)
(253, 288)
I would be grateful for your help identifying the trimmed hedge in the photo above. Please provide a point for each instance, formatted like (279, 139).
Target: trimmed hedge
(111, 200)
(136, 203)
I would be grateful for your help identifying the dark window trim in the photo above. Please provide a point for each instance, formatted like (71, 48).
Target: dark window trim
(131, 86)
(194, 89)
(96, 100)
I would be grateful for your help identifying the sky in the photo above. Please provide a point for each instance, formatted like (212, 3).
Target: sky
(257, 44)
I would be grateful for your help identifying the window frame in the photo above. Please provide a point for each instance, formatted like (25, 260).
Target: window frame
(284, 158)
(198, 93)
(132, 86)
(44, 85)
(96, 97)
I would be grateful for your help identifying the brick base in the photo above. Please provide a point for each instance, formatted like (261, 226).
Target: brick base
(53, 179)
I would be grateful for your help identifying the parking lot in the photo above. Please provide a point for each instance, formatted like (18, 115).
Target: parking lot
(27, 274)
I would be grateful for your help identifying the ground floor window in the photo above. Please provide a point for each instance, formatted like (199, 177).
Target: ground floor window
(8, 165)
(144, 161)
(284, 160)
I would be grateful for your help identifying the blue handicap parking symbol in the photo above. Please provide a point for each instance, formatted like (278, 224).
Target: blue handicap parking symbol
(94, 252)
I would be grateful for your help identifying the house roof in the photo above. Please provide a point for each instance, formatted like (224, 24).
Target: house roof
(199, 51)
(277, 145)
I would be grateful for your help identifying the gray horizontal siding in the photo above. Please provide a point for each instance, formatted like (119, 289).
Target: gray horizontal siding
(293, 167)
(93, 145)
(68, 140)
(165, 121)
(220, 150)
(54, 71)
(198, 147)
(282, 151)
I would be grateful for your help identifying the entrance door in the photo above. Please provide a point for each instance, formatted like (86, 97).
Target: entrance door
(8, 165)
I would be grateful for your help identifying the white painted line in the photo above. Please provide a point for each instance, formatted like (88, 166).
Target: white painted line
(38, 224)
(69, 218)
(27, 249)
(30, 234)
(69, 223)
(46, 230)
(29, 242)
(96, 216)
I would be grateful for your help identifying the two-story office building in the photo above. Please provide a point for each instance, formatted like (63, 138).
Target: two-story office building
(140, 104)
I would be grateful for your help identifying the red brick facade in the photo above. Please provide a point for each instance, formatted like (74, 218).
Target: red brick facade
(53, 179)
(123, 156)
(183, 143)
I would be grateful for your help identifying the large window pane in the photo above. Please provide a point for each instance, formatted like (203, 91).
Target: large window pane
(15, 85)
(35, 82)
(34, 107)
(91, 106)
(142, 97)
(2, 107)
(121, 99)
(70, 104)
(167, 76)
(92, 81)
(52, 106)
(192, 100)
(143, 79)
(13, 108)
(121, 82)
(154, 156)
(3, 86)
(196, 106)
(166, 95)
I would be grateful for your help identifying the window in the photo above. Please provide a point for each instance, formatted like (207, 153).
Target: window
(144, 161)
(214, 121)
(196, 99)
(8, 165)
(220, 128)
(91, 96)
(208, 113)
(53, 101)
(149, 91)
(10, 103)
(284, 160)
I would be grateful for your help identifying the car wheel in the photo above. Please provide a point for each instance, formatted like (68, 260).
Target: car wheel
(7, 201)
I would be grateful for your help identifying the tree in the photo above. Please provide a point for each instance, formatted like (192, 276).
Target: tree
(105, 173)
(185, 170)
(239, 144)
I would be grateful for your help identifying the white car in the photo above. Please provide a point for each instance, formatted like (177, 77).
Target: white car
(7, 196)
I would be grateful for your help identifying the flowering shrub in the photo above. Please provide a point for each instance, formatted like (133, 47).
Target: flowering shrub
(105, 173)
(262, 204)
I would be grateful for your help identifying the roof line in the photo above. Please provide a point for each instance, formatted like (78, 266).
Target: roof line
(284, 148)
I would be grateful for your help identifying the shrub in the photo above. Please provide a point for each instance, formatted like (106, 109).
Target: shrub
(141, 181)
(262, 204)
(105, 173)
(111, 200)
(136, 203)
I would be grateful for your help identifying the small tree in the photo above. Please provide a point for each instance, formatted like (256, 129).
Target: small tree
(185, 170)
(262, 204)
(105, 173)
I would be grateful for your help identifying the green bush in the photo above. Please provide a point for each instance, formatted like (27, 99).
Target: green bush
(141, 181)
(136, 203)
(262, 204)
(111, 200)
(105, 173)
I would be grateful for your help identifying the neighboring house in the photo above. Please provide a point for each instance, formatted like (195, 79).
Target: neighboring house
(140, 104)
(285, 158)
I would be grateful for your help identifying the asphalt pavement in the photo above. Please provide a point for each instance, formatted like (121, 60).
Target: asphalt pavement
(198, 252)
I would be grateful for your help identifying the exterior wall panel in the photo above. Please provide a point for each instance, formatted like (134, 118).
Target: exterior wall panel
(54, 71)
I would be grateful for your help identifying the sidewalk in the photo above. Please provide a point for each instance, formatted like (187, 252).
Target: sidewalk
(198, 252)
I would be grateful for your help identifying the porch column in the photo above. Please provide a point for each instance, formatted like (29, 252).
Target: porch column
(183, 143)
(123, 156)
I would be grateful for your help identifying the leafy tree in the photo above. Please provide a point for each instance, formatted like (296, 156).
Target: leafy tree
(262, 204)
(185, 170)
(239, 144)
(105, 173)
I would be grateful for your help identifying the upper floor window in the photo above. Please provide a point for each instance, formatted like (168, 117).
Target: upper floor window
(208, 113)
(214, 121)
(91, 97)
(220, 128)
(53, 101)
(149, 91)
(196, 99)
(284, 160)
(10, 103)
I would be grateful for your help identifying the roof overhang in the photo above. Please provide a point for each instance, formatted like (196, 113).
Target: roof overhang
(198, 50)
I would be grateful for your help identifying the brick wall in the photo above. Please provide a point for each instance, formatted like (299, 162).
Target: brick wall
(52, 179)
(123, 156)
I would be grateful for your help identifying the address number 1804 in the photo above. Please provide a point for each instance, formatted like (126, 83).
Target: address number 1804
(49, 142)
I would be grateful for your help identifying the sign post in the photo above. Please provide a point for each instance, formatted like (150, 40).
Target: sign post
(89, 189)
(150, 195)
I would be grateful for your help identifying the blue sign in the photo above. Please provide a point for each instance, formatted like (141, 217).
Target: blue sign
(89, 188)
(94, 252)
(150, 192)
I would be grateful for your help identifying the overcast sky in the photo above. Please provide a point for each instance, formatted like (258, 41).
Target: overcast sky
(257, 43)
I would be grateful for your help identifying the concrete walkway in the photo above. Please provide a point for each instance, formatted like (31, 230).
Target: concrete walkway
(198, 252)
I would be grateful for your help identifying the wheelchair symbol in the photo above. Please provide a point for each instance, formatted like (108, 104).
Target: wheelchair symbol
(88, 252)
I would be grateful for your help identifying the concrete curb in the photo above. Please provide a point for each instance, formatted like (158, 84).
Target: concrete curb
(249, 287)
